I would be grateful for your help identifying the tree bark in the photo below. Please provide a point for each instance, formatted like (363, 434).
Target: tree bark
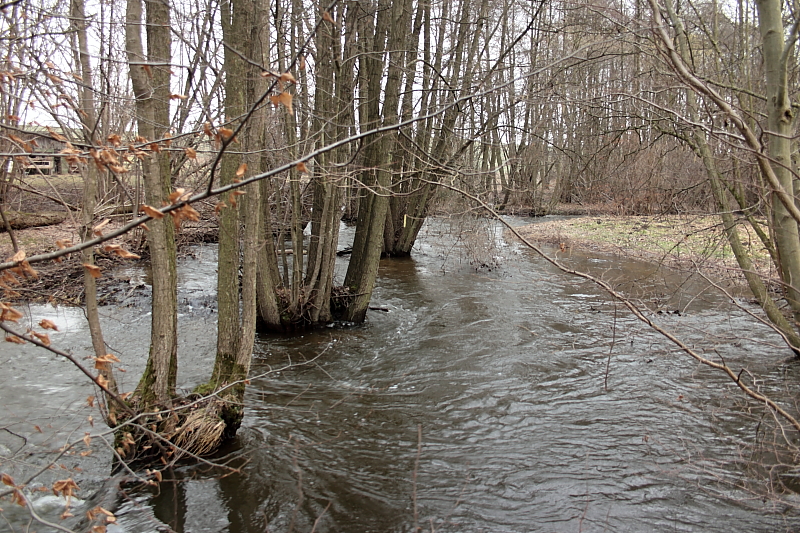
(150, 77)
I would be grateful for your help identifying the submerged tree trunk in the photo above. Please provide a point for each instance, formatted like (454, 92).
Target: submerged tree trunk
(240, 222)
(781, 129)
(150, 77)
(89, 123)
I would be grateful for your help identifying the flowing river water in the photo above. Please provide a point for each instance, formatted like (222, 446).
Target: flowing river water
(486, 392)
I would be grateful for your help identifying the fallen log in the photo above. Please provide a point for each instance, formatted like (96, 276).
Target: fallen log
(21, 220)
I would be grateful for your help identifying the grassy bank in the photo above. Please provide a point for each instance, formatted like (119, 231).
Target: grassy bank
(677, 241)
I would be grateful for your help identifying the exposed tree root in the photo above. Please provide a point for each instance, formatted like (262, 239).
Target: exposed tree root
(194, 427)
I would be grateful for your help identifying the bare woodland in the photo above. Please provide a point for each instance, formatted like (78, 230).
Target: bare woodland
(275, 119)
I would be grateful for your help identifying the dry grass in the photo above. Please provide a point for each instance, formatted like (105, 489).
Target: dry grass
(675, 240)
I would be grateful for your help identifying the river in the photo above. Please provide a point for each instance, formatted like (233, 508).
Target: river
(486, 392)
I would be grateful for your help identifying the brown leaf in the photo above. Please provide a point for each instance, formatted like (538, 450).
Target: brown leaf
(178, 97)
(241, 170)
(226, 134)
(190, 213)
(44, 338)
(151, 211)
(191, 153)
(125, 254)
(288, 77)
(67, 487)
(327, 16)
(9, 313)
(94, 270)
(207, 129)
(282, 98)
(90, 401)
(63, 244)
(14, 339)
(148, 71)
(19, 256)
(16, 139)
(55, 135)
(114, 139)
(219, 207)
(101, 225)
(46, 324)
(301, 62)
(176, 194)
(301, 167)
(8, 480)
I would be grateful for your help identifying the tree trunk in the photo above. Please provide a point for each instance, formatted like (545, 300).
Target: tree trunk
(780, 132)
(150, 76)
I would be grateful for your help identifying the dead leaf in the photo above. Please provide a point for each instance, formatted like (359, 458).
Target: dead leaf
(55, 135)
(46, 324)
(241, 170)
(226, 134)
(65, 487)
(191, 153)
(301, 167)
(282, 98)
(97, 229)
(8, 480)
(125, 254)
(327, 16)
(28, 270)
(94, 270)
(288, 77)
(14, 339)
(44, 338)
(152, 212)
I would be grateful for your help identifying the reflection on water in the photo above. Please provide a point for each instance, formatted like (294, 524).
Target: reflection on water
(478, 403)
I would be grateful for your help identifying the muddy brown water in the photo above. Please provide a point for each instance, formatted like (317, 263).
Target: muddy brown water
(473, 400)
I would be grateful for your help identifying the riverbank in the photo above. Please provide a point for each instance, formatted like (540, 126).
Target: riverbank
(62, 282)
(687, 243)
(682, 242)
